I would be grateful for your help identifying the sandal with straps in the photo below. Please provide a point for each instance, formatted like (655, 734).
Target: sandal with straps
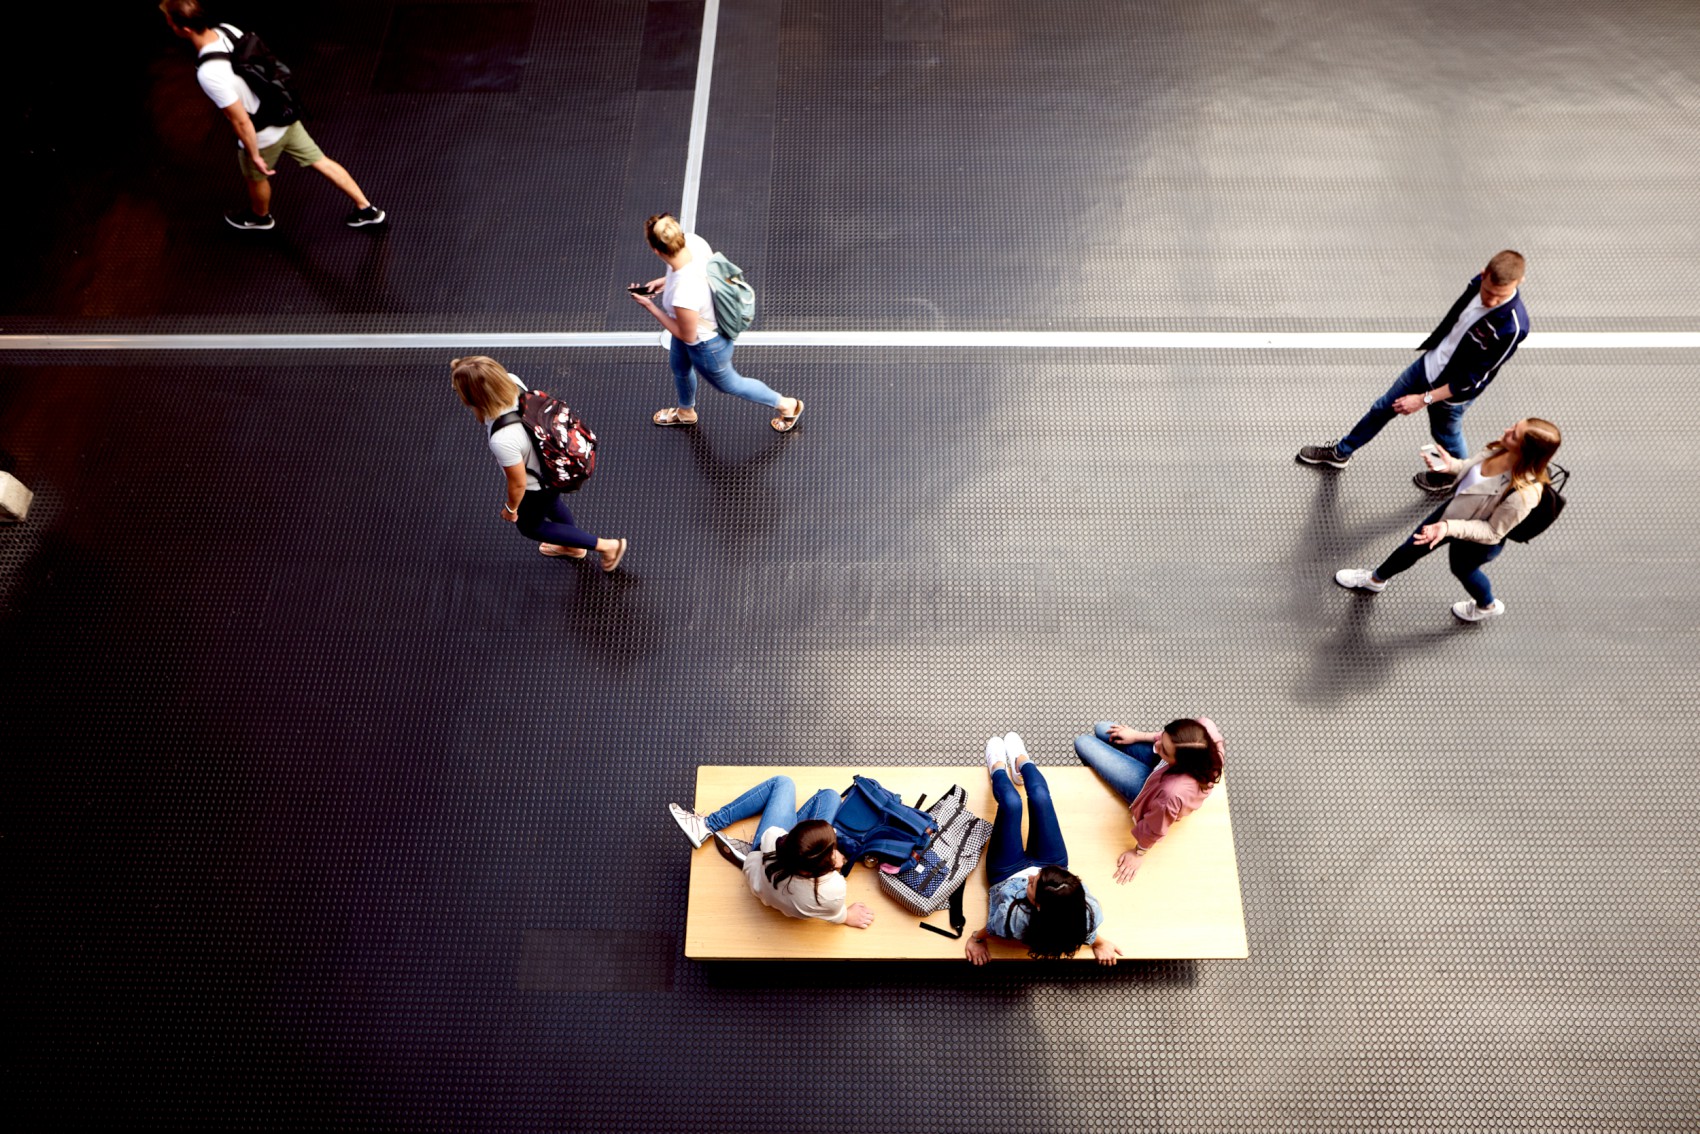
(671, 416)
(785, 424)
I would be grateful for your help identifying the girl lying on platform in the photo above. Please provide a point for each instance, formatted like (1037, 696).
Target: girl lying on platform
(1162, 776)
(795, 862)
(1033, 898)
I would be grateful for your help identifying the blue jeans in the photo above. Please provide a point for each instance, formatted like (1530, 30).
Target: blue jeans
(1004, 853)
(713, 360)
(775, 800)
(545, 517)
(1443, 417)
(1465, 557)
(1123, 767)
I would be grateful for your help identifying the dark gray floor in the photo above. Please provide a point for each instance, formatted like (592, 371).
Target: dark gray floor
(330, 803)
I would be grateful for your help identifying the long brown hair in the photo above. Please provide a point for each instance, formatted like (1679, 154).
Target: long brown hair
(1541, 440)
(805, 851)
(1194, 753)
(484, 385)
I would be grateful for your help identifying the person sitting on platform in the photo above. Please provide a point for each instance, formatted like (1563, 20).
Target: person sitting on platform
(795, 864)
(1163, 776)
(1033, 898)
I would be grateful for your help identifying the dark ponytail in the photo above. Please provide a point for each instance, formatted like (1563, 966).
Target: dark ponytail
(1060, 919)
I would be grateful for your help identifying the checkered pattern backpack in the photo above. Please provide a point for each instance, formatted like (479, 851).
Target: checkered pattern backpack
(935, 875)
(566, 448)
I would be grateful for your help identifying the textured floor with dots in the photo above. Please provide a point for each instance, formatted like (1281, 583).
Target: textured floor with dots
(329, 803)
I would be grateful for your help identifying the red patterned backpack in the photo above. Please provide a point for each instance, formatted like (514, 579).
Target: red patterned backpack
(566, 448)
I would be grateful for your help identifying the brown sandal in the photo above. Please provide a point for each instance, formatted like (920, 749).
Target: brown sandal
(561, 552)
(670, 416)
(619, 554)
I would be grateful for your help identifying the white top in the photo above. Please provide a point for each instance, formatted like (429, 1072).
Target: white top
(224, 86)
(1434, 362)
(512, 445)
(688, 288)
(796, 898)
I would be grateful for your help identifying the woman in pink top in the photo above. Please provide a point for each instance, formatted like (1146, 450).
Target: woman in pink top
(1162, 775)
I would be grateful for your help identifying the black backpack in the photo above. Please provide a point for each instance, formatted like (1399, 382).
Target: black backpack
(265, 75)
(566, 448)
(1546, 509)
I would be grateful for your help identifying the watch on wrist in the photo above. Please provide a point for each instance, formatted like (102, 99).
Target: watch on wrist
(1428, 398)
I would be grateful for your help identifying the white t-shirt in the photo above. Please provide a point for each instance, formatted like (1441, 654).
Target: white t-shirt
(796, 898)
(512, 445)
(224, 86)
(688, 288)
(1434, 363)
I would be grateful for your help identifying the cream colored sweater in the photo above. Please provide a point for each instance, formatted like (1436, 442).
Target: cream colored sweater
(1485, 511)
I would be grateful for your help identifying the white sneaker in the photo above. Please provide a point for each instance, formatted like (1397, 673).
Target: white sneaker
(691, 823)
(1016, 749)
(995, 754)
(1357, 579)
(1468, 611)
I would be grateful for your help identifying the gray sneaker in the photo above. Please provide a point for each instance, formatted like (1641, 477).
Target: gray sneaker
(1435, 483)
(691, 823)
(1323, 455)
(1468, 611)
(732, 850)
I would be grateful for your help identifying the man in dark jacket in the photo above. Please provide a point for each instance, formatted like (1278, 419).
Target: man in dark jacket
(1460, 357)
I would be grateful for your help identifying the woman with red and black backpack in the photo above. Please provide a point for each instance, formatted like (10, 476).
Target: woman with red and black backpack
(544, 451)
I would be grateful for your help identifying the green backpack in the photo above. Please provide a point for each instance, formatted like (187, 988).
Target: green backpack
(734, 298)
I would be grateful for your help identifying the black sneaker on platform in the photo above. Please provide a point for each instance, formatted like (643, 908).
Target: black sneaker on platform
(1435, 483)
(1323, 455)
(245, 219)
(371, 214)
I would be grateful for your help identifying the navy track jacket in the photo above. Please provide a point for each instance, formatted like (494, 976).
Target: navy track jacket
(1484, 348)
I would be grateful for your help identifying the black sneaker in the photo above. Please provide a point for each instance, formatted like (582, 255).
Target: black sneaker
(245, 219)
(371, 214)
(1435, 483)
(1323, 455)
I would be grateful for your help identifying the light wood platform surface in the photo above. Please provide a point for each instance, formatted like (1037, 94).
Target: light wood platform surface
(1184, 902)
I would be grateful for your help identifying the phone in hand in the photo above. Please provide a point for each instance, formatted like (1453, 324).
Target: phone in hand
(639, 289)
(1433, 458)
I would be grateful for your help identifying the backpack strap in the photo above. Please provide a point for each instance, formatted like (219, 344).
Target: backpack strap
(512, 417)
(210, 56)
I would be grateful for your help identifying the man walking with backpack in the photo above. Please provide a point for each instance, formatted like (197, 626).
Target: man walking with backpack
(229, 67)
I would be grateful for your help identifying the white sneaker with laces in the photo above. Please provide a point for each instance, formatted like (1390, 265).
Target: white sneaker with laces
(1016, 749)
(691, 823)
(995, 754)
(1468, 611)
(1358, 579)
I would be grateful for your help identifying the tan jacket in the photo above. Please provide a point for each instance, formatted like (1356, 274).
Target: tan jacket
(1485, 511)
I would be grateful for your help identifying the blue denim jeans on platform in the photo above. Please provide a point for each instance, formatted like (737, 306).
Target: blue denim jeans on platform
(1443, 417)
(713, 360)
(775, 800)
(1004, 853)
(1124, 767)
(1466, 558)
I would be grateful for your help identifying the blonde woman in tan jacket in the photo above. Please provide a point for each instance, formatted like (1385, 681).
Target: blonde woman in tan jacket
(1497, 489)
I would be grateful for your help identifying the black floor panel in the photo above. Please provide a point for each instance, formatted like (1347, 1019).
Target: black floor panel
(332, 802)
(329, 803)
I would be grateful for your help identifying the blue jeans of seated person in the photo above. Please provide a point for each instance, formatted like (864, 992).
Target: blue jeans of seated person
(1465, 557)
(713, 360)
(1124, 767)
(1004, 853)
(1443, 417)
(775, 800)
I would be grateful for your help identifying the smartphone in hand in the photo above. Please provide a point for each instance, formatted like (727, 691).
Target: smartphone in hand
(639, 289)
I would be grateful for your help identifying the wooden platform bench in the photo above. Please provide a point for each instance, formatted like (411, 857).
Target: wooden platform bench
(1183, 903)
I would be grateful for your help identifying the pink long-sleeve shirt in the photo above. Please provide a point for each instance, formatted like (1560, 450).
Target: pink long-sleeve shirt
(1169, 795)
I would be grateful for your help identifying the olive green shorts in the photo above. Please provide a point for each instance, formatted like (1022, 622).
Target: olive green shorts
(296, 142)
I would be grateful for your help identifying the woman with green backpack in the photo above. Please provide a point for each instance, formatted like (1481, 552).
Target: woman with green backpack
(698, 346)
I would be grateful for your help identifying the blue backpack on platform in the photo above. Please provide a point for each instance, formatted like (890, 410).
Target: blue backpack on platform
(874, 821)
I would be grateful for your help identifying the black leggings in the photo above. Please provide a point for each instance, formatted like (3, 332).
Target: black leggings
(545, 517)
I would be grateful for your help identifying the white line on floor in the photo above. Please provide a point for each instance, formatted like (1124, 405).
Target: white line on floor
(1032, 340)
(699, 117)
